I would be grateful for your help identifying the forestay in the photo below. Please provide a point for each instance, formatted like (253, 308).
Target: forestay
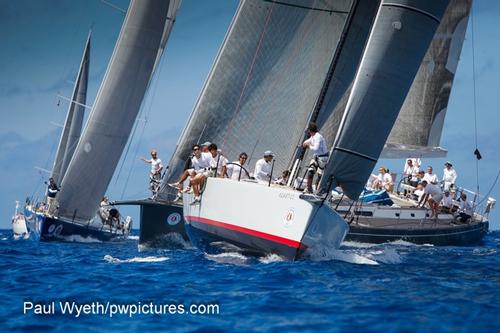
(115, 109)
(74, 118)
(417, 131)
(401, 35)
(265, 80)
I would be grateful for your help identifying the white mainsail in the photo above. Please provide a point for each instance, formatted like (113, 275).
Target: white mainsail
(116, 107)
(74, 118)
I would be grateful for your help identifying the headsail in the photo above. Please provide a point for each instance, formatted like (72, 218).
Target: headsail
(265, 80)
(400, 36)
(417, 131)
(74, 118)
(115, 109)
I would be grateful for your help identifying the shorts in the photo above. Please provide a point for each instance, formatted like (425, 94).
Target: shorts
(437, 197)
(208, 173)
(318, 164)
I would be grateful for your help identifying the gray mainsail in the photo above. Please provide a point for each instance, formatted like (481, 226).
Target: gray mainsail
(115, 109)
(265, 80)
(74, 118)
(417, 131)
(331, 104)
(400, 36)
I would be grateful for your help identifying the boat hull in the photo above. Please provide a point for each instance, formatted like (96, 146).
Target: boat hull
(446, 235)
(47, 228)
(261, 220)
(160, 221)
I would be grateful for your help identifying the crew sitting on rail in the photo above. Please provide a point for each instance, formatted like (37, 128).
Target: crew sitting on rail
(199, 162)
(464, 209)
(317, 144)
(446, 203)
(383, 181)
(215, 169)
(236, 170)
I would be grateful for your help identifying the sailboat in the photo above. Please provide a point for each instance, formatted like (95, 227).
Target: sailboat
(19, 229)
(91, 166)
(416, 134)
(243, 106)
(265, 219)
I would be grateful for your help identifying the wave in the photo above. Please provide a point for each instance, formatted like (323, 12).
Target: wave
(79, 239)
(167, 241)
(270, 258)
(234, 258)
(114, 260)
(133, 237)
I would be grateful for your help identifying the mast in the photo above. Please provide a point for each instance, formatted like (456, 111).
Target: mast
(115, 109)
(74, 117)
(401, 34)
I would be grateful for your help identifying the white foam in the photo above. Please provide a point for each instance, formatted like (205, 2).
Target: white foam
(270, 258)
(234, 258)
(80, 239)
(358, 245)
(112, 259)
(133, 237)
(340, 255)
(386, 256)
(5, 238)
(170, 240)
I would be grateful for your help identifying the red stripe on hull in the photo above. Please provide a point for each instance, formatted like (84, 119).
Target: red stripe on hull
(263, 235)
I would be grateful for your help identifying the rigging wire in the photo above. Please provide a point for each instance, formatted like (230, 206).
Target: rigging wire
(474, 99)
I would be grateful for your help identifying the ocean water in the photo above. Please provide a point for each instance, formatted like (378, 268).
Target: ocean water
(360, 288)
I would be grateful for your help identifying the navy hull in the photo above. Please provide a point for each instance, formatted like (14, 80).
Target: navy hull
(452, 235)
(158, 221)
(46, 228)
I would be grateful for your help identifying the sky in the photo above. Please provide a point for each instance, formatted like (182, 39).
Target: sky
(42, 43)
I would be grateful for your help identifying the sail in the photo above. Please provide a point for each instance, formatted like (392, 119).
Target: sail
(331, 105)
(74, 118)
(400, 36)
(265, 80)
(417, 131)
(115, 109)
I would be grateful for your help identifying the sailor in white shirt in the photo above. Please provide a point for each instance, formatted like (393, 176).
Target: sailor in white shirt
(464, 209)
(383, 180)
(208, 165)
(429, 177)
(237, 170)
(198, 164)
(155, 173)
(263, 167)
(446, 202)
(410, 173)
(449, 176)
(316, 143)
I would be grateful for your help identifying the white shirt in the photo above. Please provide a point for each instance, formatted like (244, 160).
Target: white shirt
(411, 171)
(218, 162)
(465, 207)
(447, 201)
(155, 165)
(385, 178)
(317, 144)
(262, 170)
(200, 164)
(449, 176)
(233, 170)
(431, 178)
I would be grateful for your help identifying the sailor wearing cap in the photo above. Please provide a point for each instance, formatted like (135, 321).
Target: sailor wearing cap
(263, 167)
(204, 146)
(316, 143)
(449, 176)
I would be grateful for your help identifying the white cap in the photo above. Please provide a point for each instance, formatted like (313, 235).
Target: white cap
(268, 153)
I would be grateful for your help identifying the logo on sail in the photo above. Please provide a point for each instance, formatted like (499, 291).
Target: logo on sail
(174, 218)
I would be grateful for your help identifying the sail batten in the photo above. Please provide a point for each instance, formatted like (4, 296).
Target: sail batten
(397, 44)
(115, 109)
(74, 117)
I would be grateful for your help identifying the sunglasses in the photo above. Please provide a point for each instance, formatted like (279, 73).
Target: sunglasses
(195, 149)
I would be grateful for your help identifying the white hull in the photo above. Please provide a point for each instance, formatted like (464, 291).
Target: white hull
(263, 219)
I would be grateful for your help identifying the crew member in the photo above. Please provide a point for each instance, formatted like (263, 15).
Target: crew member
(155, 173)
(52, 190)
(316, 143)
(263, 167)
(449, 176)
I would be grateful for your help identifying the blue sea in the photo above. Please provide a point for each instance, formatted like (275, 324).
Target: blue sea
(395, 287)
